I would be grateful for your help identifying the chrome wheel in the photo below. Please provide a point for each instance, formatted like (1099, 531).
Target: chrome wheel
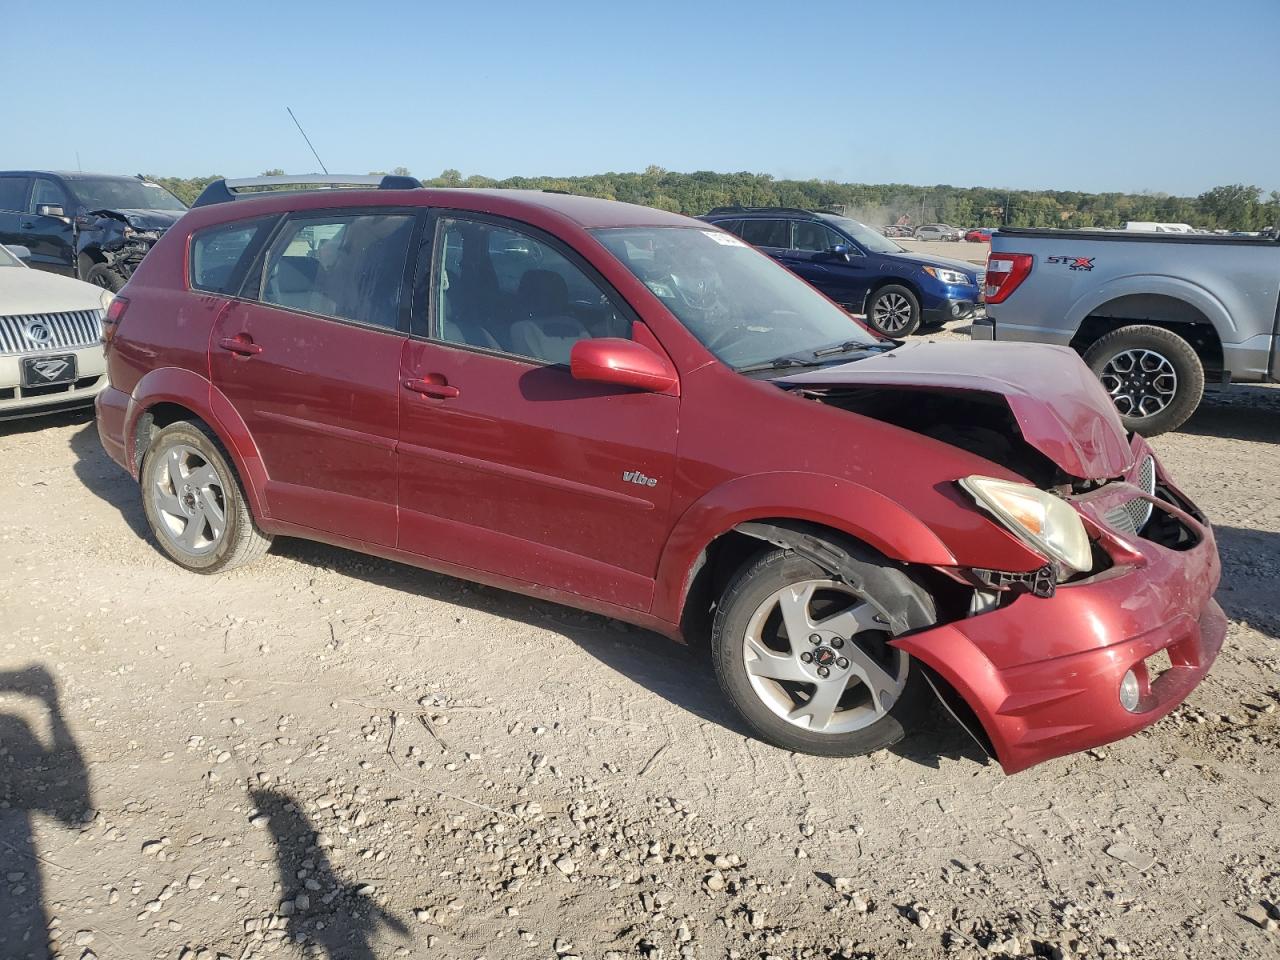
(1141, 382)
(816, 655)
(189, 499)
(892, 312)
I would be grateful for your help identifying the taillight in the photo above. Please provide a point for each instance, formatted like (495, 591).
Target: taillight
(111, 322)
(1005, 272)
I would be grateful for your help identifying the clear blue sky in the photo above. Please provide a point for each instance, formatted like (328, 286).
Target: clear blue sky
(1173, 96)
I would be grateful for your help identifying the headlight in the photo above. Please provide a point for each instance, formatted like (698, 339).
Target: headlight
(950, 277)
(105, 299)
(1050, 526)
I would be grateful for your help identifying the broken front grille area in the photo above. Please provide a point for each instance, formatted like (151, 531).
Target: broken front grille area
(1132, 515)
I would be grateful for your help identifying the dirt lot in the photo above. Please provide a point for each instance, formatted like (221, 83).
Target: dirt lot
(955, 249)
(328, 755)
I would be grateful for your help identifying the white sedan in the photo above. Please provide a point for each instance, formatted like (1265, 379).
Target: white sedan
(50, 339)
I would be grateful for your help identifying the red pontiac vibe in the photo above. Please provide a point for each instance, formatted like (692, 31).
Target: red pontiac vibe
(632, 412)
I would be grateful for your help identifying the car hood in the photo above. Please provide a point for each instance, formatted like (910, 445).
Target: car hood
(926, 260)
(144, 219)
(1059, 405)
(35, 291)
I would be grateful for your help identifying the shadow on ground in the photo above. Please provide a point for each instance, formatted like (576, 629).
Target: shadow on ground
(324, 910)
(681, 675)
(40, 775)
(1250, 569)
(107, 480)
(1238, 413)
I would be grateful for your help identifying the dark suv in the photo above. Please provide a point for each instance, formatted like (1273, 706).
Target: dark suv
(96, 227)
(859, 268)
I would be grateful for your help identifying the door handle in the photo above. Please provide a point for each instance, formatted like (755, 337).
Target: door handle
(440, 391)
(241, 345)
(28, 225)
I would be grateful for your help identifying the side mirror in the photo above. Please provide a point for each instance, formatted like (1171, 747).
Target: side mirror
(841, 251)
(623, 363)
(50, 210)
(22, 253)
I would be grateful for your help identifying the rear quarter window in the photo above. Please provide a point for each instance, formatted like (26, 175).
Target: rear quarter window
(220, 255)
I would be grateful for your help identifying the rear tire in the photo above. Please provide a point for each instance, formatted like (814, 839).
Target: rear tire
(893, 311)
(870, 697)
(1155, 377)
(194, 502)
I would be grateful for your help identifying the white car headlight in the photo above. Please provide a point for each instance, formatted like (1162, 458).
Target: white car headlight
(1047, 524)
(952, 277)
(105, 299)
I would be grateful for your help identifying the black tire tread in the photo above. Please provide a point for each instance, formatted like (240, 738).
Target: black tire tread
(1179, 352)
(912, 325)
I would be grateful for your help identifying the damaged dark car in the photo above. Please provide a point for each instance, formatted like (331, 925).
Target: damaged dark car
(95, 227)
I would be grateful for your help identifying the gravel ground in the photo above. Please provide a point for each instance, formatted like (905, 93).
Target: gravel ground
(326, 755)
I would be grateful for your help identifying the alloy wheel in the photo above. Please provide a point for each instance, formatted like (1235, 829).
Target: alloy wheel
(816, 655)
(189, 499)
(1141, 382)
(892, 312)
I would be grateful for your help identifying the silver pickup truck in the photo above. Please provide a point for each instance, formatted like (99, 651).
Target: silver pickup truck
(1154, 315)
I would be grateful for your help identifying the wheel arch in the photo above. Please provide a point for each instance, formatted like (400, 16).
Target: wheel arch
(1174, 304)
(833, 508)
(168, 394)
(893, 280)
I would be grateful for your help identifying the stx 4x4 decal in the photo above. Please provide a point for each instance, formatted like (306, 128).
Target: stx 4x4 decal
(1073, 263)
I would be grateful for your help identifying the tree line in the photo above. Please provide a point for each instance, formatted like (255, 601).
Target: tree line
(1231, 207)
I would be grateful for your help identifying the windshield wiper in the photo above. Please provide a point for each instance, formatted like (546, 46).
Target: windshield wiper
(846, 347)
(777, 363)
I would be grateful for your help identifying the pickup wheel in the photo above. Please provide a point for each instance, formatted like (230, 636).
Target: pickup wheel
(1154, 377)
(806, 661)
(894, 311)
(102, 275)
(194, 504)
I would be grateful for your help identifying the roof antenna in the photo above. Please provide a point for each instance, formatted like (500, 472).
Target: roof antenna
(308, 139)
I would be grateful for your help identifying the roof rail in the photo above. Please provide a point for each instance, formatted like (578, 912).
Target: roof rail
(739, 209)
(220, 191)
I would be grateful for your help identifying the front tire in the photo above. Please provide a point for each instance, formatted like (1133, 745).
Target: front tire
(894, 311)
(194, 503)
(1154, 377)
(101, 275)
(847, 693)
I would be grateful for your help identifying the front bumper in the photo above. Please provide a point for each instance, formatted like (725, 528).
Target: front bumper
(951, 307)
(1043, 676)
(17, 401)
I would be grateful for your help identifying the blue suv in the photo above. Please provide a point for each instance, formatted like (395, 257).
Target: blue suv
(898, 291)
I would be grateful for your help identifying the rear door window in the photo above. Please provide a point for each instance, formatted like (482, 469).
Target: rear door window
(13, 193)
(220, 255)
(348, 266)
(766, 233)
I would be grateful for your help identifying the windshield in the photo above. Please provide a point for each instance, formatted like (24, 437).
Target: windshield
(871, 240)
(7, 259)
(122, 193)
(744, 308)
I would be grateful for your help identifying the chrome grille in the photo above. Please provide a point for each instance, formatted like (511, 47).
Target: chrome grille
(1132, 515)
(39, 332)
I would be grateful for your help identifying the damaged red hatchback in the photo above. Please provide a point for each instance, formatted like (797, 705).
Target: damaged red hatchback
(634, 413)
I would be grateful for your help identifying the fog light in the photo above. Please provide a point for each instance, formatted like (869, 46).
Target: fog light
(1129, 692)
